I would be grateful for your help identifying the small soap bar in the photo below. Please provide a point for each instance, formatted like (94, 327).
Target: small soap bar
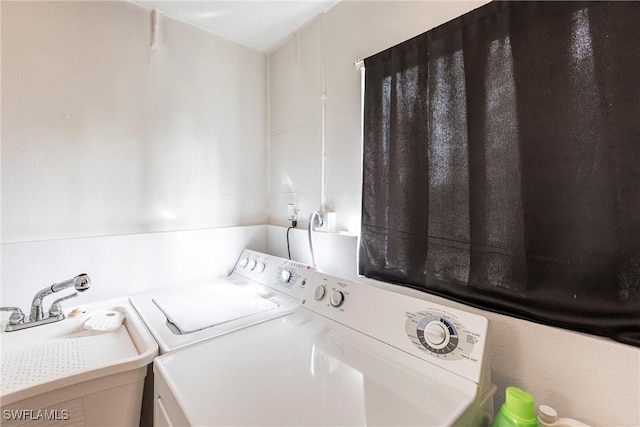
(104, 321)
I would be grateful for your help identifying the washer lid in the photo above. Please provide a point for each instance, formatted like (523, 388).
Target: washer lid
(208, 306)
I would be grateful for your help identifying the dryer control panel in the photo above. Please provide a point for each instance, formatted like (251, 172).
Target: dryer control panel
(450, 338)
(440, 334)
(289, 277)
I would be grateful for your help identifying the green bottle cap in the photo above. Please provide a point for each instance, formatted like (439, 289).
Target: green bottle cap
(518, 405)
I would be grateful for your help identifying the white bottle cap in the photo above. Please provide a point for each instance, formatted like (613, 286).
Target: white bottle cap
(547, 415)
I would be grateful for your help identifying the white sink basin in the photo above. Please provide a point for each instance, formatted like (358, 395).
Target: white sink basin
(63, 365)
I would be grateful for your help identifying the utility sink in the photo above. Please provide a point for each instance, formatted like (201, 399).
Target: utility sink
(72, 375)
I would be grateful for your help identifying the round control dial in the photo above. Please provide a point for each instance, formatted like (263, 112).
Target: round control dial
(252, 264)
(319, 292)
(437, 334)
(336, 299)
(243, 262)
(285, 276)
(261, 266)
(440, 335)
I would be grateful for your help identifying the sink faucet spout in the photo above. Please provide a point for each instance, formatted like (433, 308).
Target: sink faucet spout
(81, 283)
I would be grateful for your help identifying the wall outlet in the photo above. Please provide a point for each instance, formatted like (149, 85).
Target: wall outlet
(292, 212)
(329, 222)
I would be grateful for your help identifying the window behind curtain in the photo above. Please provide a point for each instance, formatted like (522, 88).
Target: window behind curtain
(502, 163)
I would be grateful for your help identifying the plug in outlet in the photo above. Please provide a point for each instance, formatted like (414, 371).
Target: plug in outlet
(328, 222)
(292, 212)
(317, 220)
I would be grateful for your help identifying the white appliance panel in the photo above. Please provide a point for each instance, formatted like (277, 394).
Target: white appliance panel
(352, 354)
(296, 371)
(260, 288)
(405, 323)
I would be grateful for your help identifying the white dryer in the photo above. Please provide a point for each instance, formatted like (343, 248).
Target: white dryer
(352, 354)
(261, 287)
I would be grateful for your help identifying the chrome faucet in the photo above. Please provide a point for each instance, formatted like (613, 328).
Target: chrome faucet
(81, 283)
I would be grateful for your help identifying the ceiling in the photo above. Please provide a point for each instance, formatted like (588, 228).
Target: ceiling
(260, 24)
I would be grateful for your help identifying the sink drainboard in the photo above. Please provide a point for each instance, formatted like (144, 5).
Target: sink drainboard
(42, 362)
(64, 375)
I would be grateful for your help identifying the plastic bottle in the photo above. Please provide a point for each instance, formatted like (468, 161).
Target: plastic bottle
(548, 417)
(517, 410)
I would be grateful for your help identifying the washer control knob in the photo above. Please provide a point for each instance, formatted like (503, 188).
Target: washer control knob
(243, 262)
(337, 298)
(435, 333)
(440, 335)
(261, 266)
(285, 276)
(319, 292)
(252, 264)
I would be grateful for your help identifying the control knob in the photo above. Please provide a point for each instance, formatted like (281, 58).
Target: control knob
(261, 267)
(243, 262)
(440, 335)
(285, 276)
(319, 292)
(252, 264)
(435, 333)
(337, 298)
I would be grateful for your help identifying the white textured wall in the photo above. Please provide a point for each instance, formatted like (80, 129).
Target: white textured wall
(104, 134)
(584, 377)
(124, 264)
(115, 139)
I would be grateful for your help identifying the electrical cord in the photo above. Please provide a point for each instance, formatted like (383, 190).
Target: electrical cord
(293, 225)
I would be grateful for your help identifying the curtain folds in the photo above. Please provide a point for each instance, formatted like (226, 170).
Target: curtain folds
(502, 163)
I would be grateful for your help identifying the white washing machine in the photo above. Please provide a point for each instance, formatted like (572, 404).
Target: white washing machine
(261, 287)
(352, 354)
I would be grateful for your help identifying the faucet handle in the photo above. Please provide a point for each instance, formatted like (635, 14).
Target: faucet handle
(17, 316)
(56, 308)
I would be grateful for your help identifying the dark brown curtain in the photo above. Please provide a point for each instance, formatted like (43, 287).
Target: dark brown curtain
(502, 163)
